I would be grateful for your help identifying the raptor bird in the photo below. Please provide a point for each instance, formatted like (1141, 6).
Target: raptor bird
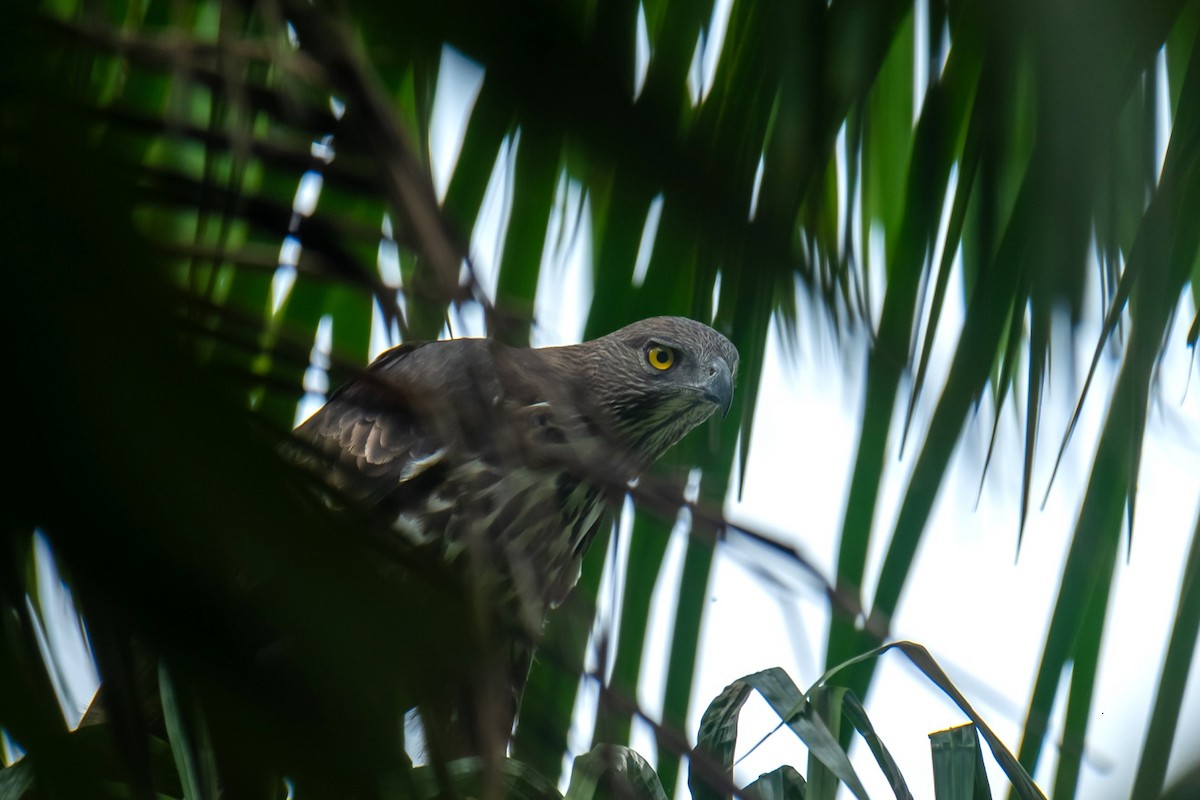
(507, 461)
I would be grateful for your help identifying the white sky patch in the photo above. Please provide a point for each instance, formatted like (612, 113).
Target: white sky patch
(757, 187)
(707, 54)
(612, 586)
(743, 633)
(876, 271)
(855, 220)
(843, 187)
(308, 192)
(467, 321)
(583, 723)
(947, 211)
(641, 53)
(388, 257)
(487, 238)
(323, 150)
(944, 45)
(716, 295)
(285, 274)
(459, 82)
(384, 336)
(414, 738)
(61, 636)
(920, 56)
(1162, 112)
(695, 73)
(316, 376)
(829, 420)
(646, 248)
(304, 203)
(566, 270)
(387, 260)
(642, 740)
(57, 683)
(714, 43)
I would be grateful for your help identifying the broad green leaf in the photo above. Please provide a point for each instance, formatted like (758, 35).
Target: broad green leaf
(1024, 786)
(16, 780)
(189, 744)
(783, 783)
(718, 733)
(856, 715)
(958, 772)
(613, 772)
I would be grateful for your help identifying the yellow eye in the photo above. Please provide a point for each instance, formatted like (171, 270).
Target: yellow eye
(661, 358)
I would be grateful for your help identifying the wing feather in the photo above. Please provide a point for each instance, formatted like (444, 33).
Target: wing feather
(401, 419)
(374, 433)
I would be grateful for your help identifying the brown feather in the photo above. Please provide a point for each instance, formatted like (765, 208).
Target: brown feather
(515, 457)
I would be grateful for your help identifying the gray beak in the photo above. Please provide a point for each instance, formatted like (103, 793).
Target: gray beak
(719, 387)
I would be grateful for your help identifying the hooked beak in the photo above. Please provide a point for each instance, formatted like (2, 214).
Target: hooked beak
(719, 387)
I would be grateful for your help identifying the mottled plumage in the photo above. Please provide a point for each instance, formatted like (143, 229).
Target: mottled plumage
(513, 456)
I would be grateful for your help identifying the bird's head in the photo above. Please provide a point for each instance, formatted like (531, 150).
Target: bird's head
(661, 377)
